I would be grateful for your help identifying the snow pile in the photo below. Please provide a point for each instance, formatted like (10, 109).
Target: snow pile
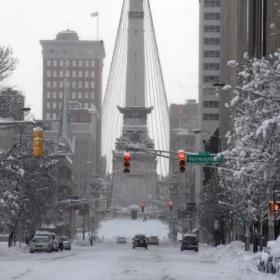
(110, 229)
(12, 251)
(242, 265)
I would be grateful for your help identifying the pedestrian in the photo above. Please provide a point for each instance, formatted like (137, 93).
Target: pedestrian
(60, 244)
(91, 240)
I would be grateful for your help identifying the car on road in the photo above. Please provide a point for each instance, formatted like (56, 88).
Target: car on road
(140, 240)
(40, 244)
(153, 240)
(189, 242)
(66, 242)
(121, 240)
(51, 236)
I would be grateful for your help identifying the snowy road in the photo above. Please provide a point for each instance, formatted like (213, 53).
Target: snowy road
(117, 262)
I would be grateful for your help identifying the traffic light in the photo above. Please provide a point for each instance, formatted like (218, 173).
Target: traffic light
(274, 206)
(170, 205)
(142, 207)
(181, 156)
(126, 162)
(37, 142)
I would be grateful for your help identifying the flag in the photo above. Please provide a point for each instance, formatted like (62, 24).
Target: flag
(94, 14)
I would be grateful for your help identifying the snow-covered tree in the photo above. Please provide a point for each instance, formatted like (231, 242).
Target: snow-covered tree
(7, 63)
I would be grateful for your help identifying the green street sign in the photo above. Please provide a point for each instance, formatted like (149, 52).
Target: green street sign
(205, 157)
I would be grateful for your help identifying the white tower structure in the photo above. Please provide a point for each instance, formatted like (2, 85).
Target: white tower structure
(138, 186)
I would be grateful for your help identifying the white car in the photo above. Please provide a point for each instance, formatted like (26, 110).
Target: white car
(40, 244)
(66, 243)
(51, 236)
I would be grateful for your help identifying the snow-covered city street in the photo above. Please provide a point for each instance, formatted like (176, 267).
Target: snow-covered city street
(108, 260)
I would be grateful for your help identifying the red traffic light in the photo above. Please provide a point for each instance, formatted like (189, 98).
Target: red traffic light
(274, 206)
(170, 204)
(182, 156)
(126, 162)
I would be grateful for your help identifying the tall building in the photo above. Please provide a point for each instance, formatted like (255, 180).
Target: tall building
(209, 65)
(81, 61)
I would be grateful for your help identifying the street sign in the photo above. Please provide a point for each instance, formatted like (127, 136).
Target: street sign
(205, 157)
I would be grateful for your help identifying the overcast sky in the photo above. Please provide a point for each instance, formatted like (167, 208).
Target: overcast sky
(24, 22)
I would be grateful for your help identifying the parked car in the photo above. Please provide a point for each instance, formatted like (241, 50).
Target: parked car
(66, 242)
(40, 243)
(121, 240)
(139, 240)
(51, 235)
(189, 242)
(153, 240)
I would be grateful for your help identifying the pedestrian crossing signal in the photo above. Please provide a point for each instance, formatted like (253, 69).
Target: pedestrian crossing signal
(126, 162)
(37, 142)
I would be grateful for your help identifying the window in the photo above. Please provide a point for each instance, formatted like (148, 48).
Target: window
(211, 79)
(80, 85)
(54, 94)
(86, 74)
(92, 74)
(60, 105)
(92, 105)
(92, 84)
(211, 54)
(80, 63)
(92, 63)
(61, 63)
(61, 74)
(86, 84)
(67, 73)
(54, 84)
(73, 84)
(210, 117)
(54, 116)
(74, 74)
(54, 63)
(212, 3)
(54, 73)
(49, 62)
(86, 105)
(48, 116)
(211, 104)
(211, 66)
(60, 94)
(54, 105)
(212, 28)
(86, 63)
(80, 74)
(212, 41)
(61, 84)
(48, 95)
(80, 95)
(74, 63)
(48, 84)
(86, 95)
(48, 105)
(212, 16)
(92, 94)
(49, 73)
(74, 95)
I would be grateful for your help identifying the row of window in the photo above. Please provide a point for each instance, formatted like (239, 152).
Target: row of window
(55, 105)
(73, 84)
(74, 95)
(212, 3)
(211, 41)
(212, 16)
(211, 104)
(210, 117)
(211, 54)
(211, 66)
(74, 74)
(212, 28)
(67, 63)
(211, 79)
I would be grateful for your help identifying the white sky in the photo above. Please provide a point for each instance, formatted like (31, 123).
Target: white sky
(24, 22)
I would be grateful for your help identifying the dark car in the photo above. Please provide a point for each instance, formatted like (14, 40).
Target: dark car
(189, 242)
(140, 240)
(153, 240)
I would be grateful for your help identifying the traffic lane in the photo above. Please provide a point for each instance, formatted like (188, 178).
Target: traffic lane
(112, 262)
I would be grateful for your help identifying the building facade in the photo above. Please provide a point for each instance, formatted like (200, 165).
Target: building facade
(81, 62)
(209, 65)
